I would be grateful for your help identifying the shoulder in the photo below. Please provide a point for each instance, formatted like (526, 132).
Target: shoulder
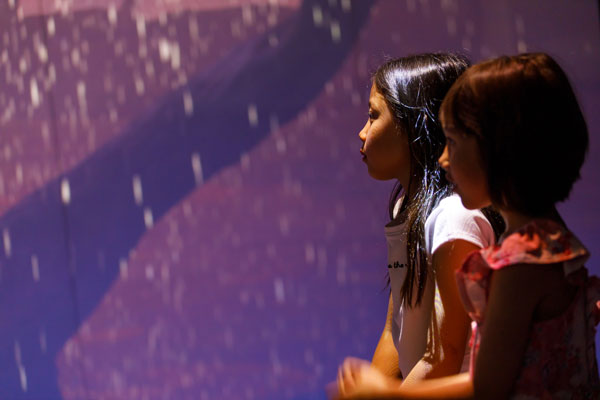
(537, 243)
(450, 220)
(524, 286)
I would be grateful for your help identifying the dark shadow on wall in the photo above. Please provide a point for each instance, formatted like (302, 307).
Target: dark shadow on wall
(234, 106)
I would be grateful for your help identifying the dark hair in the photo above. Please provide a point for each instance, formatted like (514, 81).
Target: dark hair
(530, 130)
(413, 88)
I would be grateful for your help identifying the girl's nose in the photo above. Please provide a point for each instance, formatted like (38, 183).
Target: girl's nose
(363, 132)
(443, 160)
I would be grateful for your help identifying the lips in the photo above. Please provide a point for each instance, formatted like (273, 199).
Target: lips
(362, 153)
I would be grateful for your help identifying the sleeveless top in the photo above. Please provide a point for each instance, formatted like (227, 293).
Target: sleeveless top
(560, 357)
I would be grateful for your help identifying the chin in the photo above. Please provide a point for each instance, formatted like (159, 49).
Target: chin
(471, 204)
(378, 176)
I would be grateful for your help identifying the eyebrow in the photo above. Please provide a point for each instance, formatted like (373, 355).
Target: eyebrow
(450, 127)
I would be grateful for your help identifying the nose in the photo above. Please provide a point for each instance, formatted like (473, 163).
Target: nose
(363, 132)
(443, 160)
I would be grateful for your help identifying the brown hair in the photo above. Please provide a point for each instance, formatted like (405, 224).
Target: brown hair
(530, 129)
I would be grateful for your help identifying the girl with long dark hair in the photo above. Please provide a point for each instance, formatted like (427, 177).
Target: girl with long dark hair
(429, 232)
(516, 138)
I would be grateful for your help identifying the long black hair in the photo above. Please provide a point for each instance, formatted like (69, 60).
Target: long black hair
(413, 88)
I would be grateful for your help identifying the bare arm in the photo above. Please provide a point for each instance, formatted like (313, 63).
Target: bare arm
(453, 323)
(370, 386)
(514, 294)
(385, 358)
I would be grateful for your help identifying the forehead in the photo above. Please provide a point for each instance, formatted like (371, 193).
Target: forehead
(375, 97)
(446, 120)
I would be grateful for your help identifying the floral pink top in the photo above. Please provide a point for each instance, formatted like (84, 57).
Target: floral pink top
(560, 358)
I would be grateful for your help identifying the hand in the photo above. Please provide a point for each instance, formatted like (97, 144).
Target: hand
(358, 379)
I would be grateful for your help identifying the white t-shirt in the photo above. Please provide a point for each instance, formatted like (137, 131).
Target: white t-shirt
(448, 221)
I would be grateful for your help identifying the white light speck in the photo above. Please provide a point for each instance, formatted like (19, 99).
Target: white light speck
(276, 364)
(164, 273)
(149, 68)
(23, 378)
(188, 103)
(187, 209)
(164, 49)
(197, 168)
(175, 56)
(81, 91)
(148, 218)
(65, 191)
(274, 123)
(309, 357)
(247, 15)
(193, 28)
(140, 24)
(149, 272)
(43, 342)
(139, 85)
(123, 268)
(23, 65)
(252, 115)
(138, 195)
(346, 5)
(280, 145)
(112, 14)
(273, 40)
(284, 225)
(279, 290)
(466, 43)
(17, 348)
(309, 253)
(245, 162)
(519, 25)
(317, 15)
(7, 243)
(336, 32)
(113, 115)
(19, 173)
(521, 46)
(163, 18)
(42, 53)
(451, 25)
(11, 4)
(329, 88)
(75, 57)
(51, 27)
(35, 268)
(244, 297)
(35, 93)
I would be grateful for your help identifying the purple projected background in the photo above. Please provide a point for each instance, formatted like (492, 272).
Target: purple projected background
(184, 210)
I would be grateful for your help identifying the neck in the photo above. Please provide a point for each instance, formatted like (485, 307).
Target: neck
(515, 220)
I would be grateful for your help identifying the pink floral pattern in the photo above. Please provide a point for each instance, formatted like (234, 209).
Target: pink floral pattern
(560, 359)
